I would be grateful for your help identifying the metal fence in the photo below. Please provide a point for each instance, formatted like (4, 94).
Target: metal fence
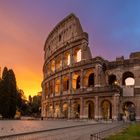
(102, 134)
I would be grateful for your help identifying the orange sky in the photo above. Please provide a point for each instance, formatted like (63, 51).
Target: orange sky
(22, 50)
(113, 28)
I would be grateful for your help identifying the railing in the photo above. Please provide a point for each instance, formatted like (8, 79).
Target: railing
(102, 134)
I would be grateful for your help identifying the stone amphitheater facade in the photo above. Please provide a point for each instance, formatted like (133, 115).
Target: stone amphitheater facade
(75, 85)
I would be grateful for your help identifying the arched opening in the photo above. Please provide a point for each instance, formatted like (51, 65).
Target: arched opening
(65, 110)
(65, 83)
(51, 87)
(52, 65)
(91, 80)
(77, 55)
(106, 109)
(60, 37)
(128, 79)
(67, 58)
(57, 86)
(51, 111)
(90, 105)
(58, 63)
(78, 82)
(129, 110)
(112, 80)
(57, 110)
(76, 110)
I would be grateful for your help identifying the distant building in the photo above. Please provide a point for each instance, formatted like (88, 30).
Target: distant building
(76, 85)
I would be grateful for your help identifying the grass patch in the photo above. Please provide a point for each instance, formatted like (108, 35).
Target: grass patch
(130, 133)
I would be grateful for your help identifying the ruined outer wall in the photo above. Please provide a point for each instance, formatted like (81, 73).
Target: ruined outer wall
(65, 39)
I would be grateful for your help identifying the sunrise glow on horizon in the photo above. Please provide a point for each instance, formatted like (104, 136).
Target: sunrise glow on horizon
(113, 28)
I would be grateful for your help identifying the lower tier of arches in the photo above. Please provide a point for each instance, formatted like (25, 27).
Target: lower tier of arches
(92, 108)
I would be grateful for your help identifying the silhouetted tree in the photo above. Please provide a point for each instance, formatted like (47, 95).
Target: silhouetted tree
(34, 105)
(9, 96)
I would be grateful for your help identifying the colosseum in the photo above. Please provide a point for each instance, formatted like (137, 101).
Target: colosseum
(76, 85)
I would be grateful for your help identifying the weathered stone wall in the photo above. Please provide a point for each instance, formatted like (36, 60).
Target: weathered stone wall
(75, 85)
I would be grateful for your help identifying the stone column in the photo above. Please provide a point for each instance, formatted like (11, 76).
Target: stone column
(72, 109)
(81, 80)
(55, 65)
(71, 57)
(42, 110)
(49, 115)
(98, 75)
(84, 50)
(46, 110)
(81, 107)
(115, 106)
(85, 111)
(61, 85)
(96, 105)
(137, 108)
(43, 92)
(69, 109)
(60, 110)
(62, 57)
(100, 110)
(137, 81)
(53, 90)
(48, 89)
(70, 83)
(53, 115)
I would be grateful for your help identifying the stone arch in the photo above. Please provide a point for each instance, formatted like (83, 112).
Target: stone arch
(67, 58)
(65, 110)
(76, 109)
(65, 83)
(51, 110)
(128, 78)
(57, 85)
(57, 110)
(76, 81)
(89, 78)
(91, 111)
(53, 65)
(112, 79)
(106, 108)
(58, 62)
(129, 110)
(77, 55)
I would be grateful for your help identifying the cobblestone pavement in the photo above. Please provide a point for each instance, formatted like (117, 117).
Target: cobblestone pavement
(82, 130)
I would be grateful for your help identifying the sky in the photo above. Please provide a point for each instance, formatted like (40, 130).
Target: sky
(113, 27)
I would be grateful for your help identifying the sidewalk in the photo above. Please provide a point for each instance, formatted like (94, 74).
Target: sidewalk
(10, 127)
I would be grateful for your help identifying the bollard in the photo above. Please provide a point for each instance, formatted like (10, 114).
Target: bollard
(91, 137)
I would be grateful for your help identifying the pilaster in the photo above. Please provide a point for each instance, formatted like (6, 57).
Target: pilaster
(81, 107)
(96, 107)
